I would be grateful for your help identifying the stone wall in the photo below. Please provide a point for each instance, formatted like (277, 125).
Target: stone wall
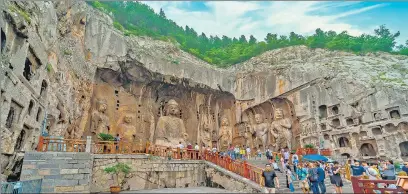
(148, 173)
(61, 172)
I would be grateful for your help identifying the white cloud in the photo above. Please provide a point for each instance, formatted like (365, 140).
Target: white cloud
(236, 18)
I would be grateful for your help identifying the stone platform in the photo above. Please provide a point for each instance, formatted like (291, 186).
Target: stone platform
(182, 190)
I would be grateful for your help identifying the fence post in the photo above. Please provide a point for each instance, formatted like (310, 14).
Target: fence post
(88, 144)
(40, 144)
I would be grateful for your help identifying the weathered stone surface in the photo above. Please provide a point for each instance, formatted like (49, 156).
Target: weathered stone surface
(55, 69)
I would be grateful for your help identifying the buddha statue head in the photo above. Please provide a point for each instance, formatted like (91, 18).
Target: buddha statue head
(224, 121)
(172, 108)
(102, 106)
(278, 113)
(127, 119)
(258, 118)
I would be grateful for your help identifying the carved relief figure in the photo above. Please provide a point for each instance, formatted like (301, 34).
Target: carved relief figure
(100, 122)
(205, 135)
(128, 131)
(260, 129)
(170, 129)
(225, 136)
(281, 130)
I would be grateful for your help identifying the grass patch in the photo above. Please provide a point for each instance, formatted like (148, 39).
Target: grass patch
(49, 68)
(67, 52)
(20, 12)
(175, 62)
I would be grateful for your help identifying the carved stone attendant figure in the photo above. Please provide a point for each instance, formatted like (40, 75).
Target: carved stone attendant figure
(281, 129)
(260, 129)
(170, 129)
(128, 131)
(225, 137)
(205, 135)
(100, 122)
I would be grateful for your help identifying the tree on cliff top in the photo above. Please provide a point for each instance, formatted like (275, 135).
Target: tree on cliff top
(135, 18)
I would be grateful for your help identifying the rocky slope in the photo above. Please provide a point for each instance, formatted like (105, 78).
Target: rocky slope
(67, 42)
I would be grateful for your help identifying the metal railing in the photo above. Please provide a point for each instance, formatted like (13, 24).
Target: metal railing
(28, 186)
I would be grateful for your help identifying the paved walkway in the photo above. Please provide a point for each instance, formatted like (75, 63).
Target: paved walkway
(182, 190)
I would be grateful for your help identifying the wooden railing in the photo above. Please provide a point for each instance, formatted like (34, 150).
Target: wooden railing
(371, 186)
(61, 145)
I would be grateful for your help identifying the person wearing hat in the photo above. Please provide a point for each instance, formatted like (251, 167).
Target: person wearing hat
(405, 167)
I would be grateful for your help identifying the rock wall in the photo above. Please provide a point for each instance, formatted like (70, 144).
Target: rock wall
(65, 66)
(60, 172)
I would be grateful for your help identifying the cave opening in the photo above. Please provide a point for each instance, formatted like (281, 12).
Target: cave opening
(344, 142)
(363, 134)
(376, 131)
(43, 90)
(30, 107)
(336, 122)
(323, 111)
(10, 117)
(323, 127)
(39, 112)
(404, 148)
(367, 149)
(350, 121)
(20, 141)
(395, 114)
(347, 155)
(3, 41)
(28, 69)
(390, 128)
(335, 110)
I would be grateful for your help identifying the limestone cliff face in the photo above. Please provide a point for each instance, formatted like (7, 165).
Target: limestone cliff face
(62, 60)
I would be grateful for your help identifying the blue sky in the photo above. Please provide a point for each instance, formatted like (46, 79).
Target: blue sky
(234, 18)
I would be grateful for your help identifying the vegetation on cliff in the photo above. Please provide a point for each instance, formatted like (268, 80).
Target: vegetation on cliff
(135, 18)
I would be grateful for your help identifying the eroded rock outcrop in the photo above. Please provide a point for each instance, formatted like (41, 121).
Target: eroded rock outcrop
(60, 60)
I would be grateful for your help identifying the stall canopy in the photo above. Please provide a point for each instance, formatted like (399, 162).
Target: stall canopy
(315, 157)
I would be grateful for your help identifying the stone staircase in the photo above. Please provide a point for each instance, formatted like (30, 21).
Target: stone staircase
(282, 180)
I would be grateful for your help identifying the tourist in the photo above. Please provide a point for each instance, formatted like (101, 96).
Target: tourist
(242, 152)
(231, 151)
(322, 176)
(313, 178)
(181, 147)
(405, 167)
(329, 172)
(275, 166)
(286, 155)
(236, 152)
(337, 178)
(268, 154)
(283, 164)
(117, 140)
(214, 150)
(389, 170)
(357, 169)
(290, 178)
(259, 154)
(295, 161)
(277, 158)
(196, 147)
(169, 153)
(302, 174)
(270, 179)
(371, 173)
(248, 153)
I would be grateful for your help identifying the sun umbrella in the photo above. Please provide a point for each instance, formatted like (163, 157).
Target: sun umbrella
(315, 157)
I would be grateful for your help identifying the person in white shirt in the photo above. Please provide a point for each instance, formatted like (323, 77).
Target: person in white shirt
(196, 147)
(248, 153)
(181, 146)
(295, 161)
(286, 156)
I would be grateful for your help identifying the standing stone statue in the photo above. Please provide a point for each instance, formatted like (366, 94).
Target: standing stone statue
(170, 129)
(280, 128)
(205, 135)
(260, 129)
(128, 131)
(100, 122)
(225, 136)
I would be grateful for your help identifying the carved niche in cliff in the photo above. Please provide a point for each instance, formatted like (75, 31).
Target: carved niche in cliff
(277, 117)
(170, 128)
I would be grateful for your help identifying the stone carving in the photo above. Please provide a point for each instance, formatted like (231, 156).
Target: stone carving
(205, 135)
(100, 122)
(170, 129)
(261, 131)
(128, 131)
(281, 130)
(225, 136)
